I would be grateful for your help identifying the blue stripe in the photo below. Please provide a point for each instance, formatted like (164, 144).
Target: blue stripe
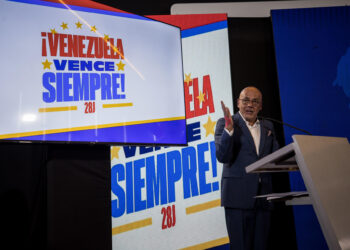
(169, 132)
(312, 53)
(84, 9)
(204, 29)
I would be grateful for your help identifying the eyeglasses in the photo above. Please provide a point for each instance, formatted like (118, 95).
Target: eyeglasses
(254, 102)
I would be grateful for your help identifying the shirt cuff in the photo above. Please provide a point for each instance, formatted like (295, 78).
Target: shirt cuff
(230, 133)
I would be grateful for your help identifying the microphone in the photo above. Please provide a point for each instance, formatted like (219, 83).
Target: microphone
(283, 123)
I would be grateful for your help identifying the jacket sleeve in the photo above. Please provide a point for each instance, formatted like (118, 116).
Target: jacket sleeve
(223, 142)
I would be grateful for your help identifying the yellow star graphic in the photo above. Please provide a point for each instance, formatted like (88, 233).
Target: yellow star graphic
(64, 25)
(93, 28)
(115, 152)
(79, 25)
(120, 65)
(106, 37)
(209, 127)
(188, 78)
(53, 31)
(47, 64)
(200, 97)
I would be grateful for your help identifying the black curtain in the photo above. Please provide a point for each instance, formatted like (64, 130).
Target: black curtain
(23, 196)
(79, 197)
(55, 196)
(253, 62)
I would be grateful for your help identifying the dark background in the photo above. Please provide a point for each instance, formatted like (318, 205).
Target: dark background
(57, 196)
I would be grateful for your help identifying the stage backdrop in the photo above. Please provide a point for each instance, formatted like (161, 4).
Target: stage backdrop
(169, 198)
(71, 73)
(313, 60)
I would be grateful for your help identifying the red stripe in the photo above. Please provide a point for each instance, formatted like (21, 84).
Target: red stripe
(190, 21)
(181, 21)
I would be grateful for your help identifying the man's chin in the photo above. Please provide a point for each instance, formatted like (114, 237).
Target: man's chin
(250, 118)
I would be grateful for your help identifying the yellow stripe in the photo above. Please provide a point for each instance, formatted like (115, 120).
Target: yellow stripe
(54, 131)
(56, 109)
(132, 226)
(117, 105)
(203, 206)
(209, 244)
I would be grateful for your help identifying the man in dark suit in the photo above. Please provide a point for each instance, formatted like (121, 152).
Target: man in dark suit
(241, 140)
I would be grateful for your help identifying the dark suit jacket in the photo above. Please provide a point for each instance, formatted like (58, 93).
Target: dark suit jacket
(237, 152)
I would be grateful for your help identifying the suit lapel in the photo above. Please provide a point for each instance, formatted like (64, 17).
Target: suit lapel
(263, 134)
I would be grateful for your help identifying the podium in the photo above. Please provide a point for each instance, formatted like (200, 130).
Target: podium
(324, 164)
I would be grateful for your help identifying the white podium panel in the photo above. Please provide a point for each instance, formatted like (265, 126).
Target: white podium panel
(324, 163)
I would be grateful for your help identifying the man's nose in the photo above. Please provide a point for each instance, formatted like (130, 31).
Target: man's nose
(250, 104)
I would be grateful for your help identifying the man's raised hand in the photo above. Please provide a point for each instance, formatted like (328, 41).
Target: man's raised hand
(227, 116)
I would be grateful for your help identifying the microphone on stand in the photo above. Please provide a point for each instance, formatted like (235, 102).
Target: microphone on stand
(283, 123)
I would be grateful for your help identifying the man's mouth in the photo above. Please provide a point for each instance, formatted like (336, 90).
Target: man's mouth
(249, 112)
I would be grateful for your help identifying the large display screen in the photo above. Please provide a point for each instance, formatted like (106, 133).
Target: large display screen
(75, 74)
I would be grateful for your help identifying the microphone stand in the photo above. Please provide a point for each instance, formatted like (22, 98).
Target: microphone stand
(283, 123)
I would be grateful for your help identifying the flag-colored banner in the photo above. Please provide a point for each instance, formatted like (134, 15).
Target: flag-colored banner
(169, 197)
(314, 84)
